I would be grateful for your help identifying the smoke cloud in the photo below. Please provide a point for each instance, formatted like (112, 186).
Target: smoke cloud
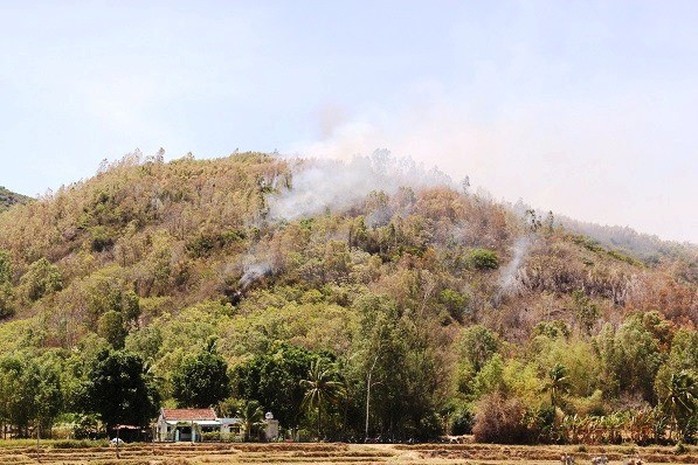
(601, 162)
(334, 185)
(509, 274)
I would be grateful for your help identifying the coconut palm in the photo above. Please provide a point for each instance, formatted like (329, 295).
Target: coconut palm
(321, 389)
(251, 415)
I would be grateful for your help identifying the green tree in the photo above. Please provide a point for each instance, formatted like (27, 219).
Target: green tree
(111, 327)
(6, 270)
(120, 390)
(251, 415)
(477, 345)
(6, 291)
(586, 311)
(322, 389)
(396, 363)
(41, 279)
(30, 393)
(7, 295)
(680, 401)
(557, 383)
(484, 259)
(202, 380)
(273, 379)
(631, 357)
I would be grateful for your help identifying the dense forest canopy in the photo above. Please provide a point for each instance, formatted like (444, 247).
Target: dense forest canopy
(325, 290)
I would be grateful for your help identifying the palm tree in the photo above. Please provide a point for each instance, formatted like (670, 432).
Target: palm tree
(251, 415)
(681, 399)
(557, 383)
(321, 389)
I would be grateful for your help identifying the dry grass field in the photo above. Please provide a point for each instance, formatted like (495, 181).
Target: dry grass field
(23, 453)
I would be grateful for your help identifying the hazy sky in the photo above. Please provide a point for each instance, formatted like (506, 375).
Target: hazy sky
(585, 108)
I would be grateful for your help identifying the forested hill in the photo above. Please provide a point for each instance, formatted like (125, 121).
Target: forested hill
(447, 301)
(9, 198)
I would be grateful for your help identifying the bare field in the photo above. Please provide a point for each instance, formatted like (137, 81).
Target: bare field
(331, 454)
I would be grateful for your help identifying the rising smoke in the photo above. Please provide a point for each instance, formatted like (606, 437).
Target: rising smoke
(334, 185)
(509, 281)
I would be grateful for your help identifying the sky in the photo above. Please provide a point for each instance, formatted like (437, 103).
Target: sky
(584, 108)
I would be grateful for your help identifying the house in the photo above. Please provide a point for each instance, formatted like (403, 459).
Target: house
(190, 424)
(186, 424)
(232, 427)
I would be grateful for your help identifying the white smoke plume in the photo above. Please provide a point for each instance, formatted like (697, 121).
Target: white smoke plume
(508, 278)
(335, 185)
(254, 270)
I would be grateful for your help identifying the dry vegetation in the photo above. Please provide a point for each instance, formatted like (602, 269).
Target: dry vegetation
(332, 454)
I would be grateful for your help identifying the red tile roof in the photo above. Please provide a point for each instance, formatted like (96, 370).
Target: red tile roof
(188, 414)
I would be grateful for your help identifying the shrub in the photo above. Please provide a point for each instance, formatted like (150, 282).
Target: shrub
(462, 422)
(484, 259)
(211, 436)
(501, 420)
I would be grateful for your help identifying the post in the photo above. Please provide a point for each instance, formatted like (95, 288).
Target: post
(368, 395)
(38, 433)
(117, 441)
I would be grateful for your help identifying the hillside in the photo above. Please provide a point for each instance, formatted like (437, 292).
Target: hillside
(444, 299)
(9, 198)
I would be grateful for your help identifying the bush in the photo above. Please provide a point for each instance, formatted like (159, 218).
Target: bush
(501, 420)
(462, 422)
(211, 436)
(484, 259)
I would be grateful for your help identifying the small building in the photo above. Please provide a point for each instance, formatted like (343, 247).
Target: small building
(186, 424)
(190, 424)
(231, 427)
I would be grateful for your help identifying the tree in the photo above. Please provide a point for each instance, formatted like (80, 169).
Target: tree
(484, 259)
(477, 345)
(30, 393)
(41, 279)
(322, 389)
(273, 379)
(631, 357)
(586, 311)
(7, 295)
(111, 327)
(202, 380)
(6, 291)
(120, 390)
(251, 415)
(557, 383)
(396, 362)
(6, 270)
(680, 401)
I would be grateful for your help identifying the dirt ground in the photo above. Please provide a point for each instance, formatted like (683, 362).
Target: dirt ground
(335, 454)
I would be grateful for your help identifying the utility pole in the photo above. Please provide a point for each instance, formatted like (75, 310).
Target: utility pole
(368, 395)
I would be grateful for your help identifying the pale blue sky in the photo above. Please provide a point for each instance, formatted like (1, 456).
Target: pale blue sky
(586, 108)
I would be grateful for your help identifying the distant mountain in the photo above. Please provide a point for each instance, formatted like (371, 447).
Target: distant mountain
(649, 248)
(9, 198)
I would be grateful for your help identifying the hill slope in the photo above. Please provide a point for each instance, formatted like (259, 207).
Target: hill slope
(9, 198)
(444, 297)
